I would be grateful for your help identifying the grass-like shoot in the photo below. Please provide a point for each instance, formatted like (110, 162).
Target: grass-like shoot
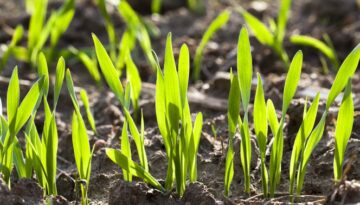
(342, 80)
(17, 115)
(181, 136)
(80, 139)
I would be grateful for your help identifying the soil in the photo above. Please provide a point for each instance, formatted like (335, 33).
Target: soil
(339, 19)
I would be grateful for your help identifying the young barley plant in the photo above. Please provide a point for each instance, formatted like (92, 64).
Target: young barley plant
(342, 79)
(17, 115)
(80, 139)
(307, 125)
(244, 66)
(41, 153)
(276, 154)
(233, 117)
(181, 136)
(343, 130)
(261, 131)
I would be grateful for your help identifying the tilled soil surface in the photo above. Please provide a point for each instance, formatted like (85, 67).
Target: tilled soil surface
(339, 19)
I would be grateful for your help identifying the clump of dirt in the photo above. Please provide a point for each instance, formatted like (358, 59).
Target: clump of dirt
(23, 191)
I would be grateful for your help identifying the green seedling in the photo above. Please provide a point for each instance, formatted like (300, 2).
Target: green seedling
(343, 131)
(233, 117)
(342, 81)
(52, 29)
(244, 65)
(111, 77)
(307, 125)
(172, 108)
(41, 30)
(276, 155)
(17, 115)
(273, 36)
(80, 139)
(326, 49)
(261, 131)
(215, 25)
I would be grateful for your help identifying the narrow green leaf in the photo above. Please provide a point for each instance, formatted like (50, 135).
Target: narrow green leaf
(13, 95)
(300, 139)
(344, 125)
(126, 150)
(133, 76)
(110, 73)
(233, 106)
(184, 70)
(59, 78)
(125, 163)
(70, 86)
(272, 117)
(85, 100)
(28, 104)
(260, 30)
(346, 70)
(194, 145)
(291, 81)
(138, 141)
(260, 120)
(244, 66)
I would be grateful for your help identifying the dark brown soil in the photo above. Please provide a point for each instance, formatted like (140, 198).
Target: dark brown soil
(339, 19)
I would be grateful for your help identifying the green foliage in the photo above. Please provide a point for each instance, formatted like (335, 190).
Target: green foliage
(109, 28)
(41, 153)
(111, 75)
(233, 117)
(261, 130)
(172, 107)
(40, 31)
(326, 50)
(133, 168)
(276, 154)
(215, 25)
(343, 77)
(343, 130)
(133, 76)
(85, 100)
(244, 65)
(80, 140)
(132, 89)
(18, 113)
(273, 36)
(137, 29)
(302, 135)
